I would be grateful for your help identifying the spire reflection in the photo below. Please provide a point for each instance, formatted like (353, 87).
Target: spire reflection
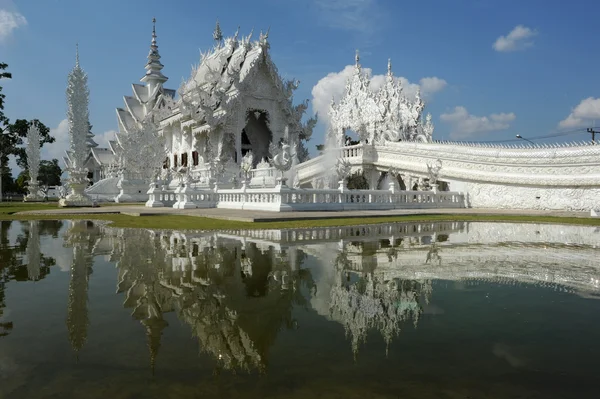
(81, 236)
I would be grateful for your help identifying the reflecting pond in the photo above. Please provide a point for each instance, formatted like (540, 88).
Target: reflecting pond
(422, 310)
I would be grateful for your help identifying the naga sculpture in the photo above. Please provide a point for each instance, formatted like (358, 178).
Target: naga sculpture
(283, 158)
(434, 171)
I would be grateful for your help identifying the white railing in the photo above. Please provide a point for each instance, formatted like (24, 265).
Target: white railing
(283, 198)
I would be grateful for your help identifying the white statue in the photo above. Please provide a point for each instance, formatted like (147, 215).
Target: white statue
(33, 162)
(246, 164)
(283, 158)
(434, 171)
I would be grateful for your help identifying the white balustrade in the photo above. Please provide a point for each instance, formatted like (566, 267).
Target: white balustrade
(281, 199)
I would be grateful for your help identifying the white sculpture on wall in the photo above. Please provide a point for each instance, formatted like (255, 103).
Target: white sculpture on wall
(282, 159)
(246, 165)
(434, 171)
(32, 150)
(140, 164)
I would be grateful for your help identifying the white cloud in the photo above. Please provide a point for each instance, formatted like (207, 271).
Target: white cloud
(334, 84)
(518, 39)
(103, 138)
(584, 114)
(9, 21)
(62, 143)
(465, 125)
(432, 84)
(360, 16)
(58, 148)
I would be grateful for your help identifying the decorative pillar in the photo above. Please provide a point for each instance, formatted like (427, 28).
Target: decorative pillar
(154, 192)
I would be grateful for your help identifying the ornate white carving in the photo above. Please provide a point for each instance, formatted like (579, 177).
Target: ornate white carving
(78, 117)
(434, 171)
(142, 150)
(246, 164)
(283, 157)
(32, 150)
(386, 115)
(342, 169)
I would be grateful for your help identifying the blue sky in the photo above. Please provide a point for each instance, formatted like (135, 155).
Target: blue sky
(489, 69)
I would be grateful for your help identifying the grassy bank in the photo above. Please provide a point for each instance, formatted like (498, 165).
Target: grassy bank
(177, 222)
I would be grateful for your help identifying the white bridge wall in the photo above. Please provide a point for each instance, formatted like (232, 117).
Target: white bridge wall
(557, 178)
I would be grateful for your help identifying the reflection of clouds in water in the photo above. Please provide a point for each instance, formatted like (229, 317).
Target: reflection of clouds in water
(14, 231)
(506, 352)
(51, 247)
(323, 272)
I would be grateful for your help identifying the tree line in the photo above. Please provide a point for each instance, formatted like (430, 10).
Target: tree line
(12, 137)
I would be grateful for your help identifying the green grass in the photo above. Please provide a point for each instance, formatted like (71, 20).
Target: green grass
(181, 222)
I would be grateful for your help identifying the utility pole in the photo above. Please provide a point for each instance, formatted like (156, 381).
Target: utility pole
(593, 132)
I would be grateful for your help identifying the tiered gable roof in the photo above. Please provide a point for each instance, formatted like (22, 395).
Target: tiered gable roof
(227, 73)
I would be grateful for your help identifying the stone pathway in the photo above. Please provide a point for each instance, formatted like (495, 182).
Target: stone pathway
(263, 216)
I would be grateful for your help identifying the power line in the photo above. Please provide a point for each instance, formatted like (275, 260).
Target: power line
(593, 132)
(560, 134)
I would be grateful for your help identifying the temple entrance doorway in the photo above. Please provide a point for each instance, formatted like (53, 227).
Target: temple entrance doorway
(256, 135)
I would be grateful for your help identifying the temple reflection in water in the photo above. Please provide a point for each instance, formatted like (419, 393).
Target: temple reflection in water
(236, 290)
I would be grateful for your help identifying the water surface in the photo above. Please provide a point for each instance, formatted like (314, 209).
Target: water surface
(429, 310)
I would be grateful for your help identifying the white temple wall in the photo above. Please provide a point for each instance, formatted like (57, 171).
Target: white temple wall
(486, 195)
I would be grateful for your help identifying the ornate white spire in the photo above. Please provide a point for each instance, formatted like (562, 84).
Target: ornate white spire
(218, 35)
(154, 66)
(78, 114)
(76, 54)
(389, 71)
(33, 151)
(357, 59)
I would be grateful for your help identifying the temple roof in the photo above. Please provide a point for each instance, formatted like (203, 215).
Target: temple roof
(104, 156)
(135, 108)
(145, 96)
(227, 70)
(154, 66)
(229, 63)
(140, 92)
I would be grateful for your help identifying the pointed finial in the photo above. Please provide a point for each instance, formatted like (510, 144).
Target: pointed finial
(76, 54)
(217, 34)
(154, 31)
(356, 57)
(389, 67)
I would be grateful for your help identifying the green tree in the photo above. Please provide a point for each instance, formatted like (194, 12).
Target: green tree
(21, 182)
(49, 175)
(5, 143)
(11, 138)
(18, 131)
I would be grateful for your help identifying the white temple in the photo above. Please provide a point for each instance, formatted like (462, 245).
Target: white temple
(234, 102)
(233, 137)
